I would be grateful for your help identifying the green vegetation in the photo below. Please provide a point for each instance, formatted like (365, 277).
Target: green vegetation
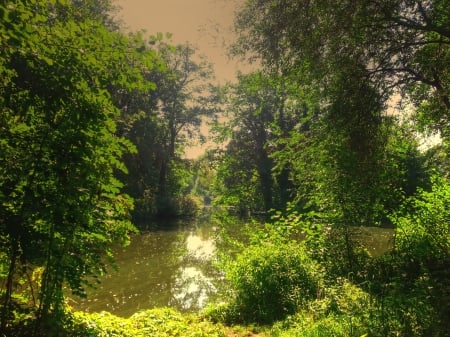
(286, 285)
(156, 322)
(325, 138)
(270, 281)
(321, 116)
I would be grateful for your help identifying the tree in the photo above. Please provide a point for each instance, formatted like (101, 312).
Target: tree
(262, 107)
(160, 117)
(182, 100)
(140, 124)
(401, 44)
(354, 57)
(61, 205)
(100, 11)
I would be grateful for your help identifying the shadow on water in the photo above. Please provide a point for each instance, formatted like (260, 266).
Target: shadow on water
(167, 266)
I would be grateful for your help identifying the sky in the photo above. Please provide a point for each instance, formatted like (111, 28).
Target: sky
(206, 24)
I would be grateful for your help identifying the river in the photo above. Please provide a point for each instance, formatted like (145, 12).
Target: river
(172, 265)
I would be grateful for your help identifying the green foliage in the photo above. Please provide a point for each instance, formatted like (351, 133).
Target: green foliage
(271, 282)
(317, 37)
(303, 325)
(346, 310)
(402, 293)
(161, 119)
(345, 159)
(151, 323)
(423, 226)
(312, 127)
(61, 205)
(422, 256)
(203, 179)
(259, 109)
(236, 182)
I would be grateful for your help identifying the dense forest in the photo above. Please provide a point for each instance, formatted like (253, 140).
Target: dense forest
(344, 124)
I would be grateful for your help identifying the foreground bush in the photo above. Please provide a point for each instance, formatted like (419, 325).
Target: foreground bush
(268, 282)
(340, 312)
(148, 323)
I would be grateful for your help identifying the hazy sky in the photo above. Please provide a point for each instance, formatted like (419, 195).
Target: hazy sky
(207, 24)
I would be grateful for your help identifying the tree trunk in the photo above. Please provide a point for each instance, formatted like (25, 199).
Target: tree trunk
(9, 283)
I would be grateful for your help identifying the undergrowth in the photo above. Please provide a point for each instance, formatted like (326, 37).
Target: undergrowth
(149, 323)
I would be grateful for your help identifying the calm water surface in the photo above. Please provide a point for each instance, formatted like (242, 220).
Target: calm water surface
(167, 266)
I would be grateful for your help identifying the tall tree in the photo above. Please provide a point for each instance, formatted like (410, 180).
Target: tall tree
(355, 56)
(401, 44)
(140, 124)
(261, 108)
(61, 205)
(183, 98)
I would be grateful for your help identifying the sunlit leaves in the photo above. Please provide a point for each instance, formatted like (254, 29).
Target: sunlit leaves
(61, 204)
(423, 224)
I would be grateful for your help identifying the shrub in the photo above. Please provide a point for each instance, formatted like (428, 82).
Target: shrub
(270, 281)
(341, 312)
(423, 227)
(187, 205)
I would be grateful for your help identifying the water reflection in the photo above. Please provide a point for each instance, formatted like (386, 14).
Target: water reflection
(199, 247)
(162, 267)
(193, 288)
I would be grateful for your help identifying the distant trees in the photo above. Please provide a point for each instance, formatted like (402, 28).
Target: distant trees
(260, 109)
(161, 120)
(183, 92)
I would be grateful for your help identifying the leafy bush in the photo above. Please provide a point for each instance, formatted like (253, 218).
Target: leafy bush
(422, 257)
(270, 281)
(340, 313)
(423, 227)
(187, 205)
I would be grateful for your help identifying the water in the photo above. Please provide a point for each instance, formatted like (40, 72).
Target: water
(168, 266)
(376, 240)
(172, 266)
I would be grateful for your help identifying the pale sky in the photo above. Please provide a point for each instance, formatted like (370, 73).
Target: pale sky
(206, 24)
